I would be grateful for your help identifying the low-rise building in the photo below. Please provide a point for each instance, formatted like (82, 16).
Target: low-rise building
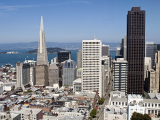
(88, 96)
(77, 85)
(28, 113)
(136, 103)
(9, 116)
(112, 112)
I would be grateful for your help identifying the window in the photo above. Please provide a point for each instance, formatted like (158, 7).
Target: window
(149, 112)
(123, 103)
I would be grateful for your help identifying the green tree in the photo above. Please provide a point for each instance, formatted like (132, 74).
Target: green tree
(158, 115)
(147, 117)
(139, 116)
(101, 101)
(93, 113)
(144, 95)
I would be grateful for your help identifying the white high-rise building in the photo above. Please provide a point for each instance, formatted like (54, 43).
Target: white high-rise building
(91, 66)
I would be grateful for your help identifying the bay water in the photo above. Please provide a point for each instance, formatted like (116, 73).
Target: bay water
(14, 58)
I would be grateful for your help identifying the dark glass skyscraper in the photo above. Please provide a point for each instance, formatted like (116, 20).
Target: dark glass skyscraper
(135, 50)
(63, 55)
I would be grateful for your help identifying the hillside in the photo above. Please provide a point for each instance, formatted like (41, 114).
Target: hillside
(49, 50)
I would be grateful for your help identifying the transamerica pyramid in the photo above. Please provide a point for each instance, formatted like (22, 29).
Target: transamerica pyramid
(42, 57)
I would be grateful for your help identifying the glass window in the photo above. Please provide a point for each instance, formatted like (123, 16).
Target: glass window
(148, 111)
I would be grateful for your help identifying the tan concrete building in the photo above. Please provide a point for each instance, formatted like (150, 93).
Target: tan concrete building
(150, 82)
(41, 72)
(147, 66)
(53, 74)
(153, 84)
(157, 68)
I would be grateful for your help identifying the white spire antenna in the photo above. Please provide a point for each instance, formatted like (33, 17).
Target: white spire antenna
(69, 56)
(41, 25)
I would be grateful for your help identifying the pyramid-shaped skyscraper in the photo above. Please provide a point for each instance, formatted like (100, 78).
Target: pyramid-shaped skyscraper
(42, 57)
(41, 70)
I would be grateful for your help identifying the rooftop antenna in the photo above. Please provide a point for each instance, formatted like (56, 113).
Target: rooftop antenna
(69, 56)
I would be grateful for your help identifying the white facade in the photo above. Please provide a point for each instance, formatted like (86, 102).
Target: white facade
(135, 104)
(112, 112)
(91, 66)
(77, 85)
(28, 113)
(54, 60)
(135, 108)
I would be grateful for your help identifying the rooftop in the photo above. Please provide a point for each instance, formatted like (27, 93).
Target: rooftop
(134, 96)
(86, 94)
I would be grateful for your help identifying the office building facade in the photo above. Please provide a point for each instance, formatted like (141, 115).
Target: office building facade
(53, 74)
(135, 50)
(105, 50)
(69, 72)
(123, 50)
(79, 59)
(151, 49)
(120, 69)
(63, 55)
(91, 66)
(23, 74)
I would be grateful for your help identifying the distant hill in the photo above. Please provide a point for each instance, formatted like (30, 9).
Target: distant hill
(34, 45)
(49, 50)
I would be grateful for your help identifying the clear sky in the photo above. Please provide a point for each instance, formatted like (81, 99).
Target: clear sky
(74, 20)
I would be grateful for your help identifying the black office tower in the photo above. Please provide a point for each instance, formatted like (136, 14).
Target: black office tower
(63, 55)
(135, 50)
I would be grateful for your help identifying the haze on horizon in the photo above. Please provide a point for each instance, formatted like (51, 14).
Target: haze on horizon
(74, 20)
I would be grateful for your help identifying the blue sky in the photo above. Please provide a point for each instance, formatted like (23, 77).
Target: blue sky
(73, 20)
